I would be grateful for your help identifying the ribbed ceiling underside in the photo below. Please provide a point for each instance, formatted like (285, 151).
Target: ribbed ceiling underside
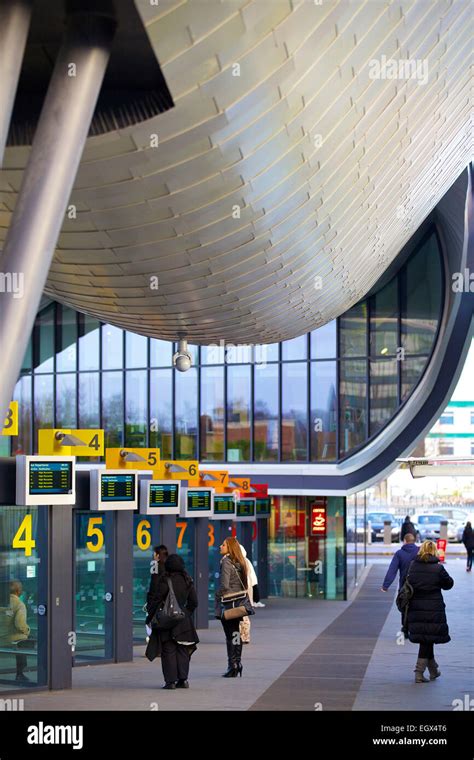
(332, 170)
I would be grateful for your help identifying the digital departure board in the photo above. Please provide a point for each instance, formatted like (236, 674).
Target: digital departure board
(113, 489)
(43, 480)
(197, 502)
(224, 507)
(159, 497)
(264, 507)
(246, 509)
(117, 487)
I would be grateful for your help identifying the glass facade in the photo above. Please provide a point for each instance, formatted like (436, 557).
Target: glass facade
(303, 562)
(316, 398)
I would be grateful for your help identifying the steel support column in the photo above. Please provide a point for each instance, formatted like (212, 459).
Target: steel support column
(15, 16)
(47, 183)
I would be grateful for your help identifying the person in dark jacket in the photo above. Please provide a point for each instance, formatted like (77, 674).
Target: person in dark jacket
(407, 527)
(427, 624)
(233, 577)
(401, 562)
(468, 541)
(177, 644)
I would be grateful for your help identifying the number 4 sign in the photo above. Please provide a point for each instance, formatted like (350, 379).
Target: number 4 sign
(79, 443)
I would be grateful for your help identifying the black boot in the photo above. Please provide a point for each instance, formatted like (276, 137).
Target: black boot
(238, 657)
(230, 672)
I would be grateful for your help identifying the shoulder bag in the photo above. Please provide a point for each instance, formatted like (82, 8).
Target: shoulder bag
(169, 613)
(236, 604)
(404, 597)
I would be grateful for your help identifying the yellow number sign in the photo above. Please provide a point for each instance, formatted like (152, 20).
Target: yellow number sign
(132, 459)
(11, 422)
(179, 469)
(23, 538)
(67, 442)
(220, 482)
(243, 483)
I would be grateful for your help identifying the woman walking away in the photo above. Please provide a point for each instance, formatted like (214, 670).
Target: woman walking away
(177, 644)
(427, 624)
(233, 578)
(468, 541)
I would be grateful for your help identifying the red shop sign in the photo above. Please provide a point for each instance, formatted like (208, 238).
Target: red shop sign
(318, 521)
(441, 546)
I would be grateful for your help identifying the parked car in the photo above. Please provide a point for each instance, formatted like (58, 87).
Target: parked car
(458, 516)
(358, 532)
(428, 527)
(377, 525)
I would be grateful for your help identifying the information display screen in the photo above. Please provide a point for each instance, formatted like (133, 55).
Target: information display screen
(264, 507)
(48, 478)
(117, 487)
(199, 500)
(224, 504)
(246, 509)
(164, 495)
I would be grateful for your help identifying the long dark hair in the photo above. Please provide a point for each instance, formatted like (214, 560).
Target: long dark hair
(174, 564)
(237, 558)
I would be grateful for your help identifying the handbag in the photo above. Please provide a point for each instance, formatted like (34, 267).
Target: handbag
(236, 604)
(170, 613)
(403, 599)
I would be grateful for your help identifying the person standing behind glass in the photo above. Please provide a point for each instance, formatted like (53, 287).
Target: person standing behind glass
(14, 628)
(233, 577)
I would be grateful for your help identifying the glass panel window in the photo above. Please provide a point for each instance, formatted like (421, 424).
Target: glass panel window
(112, 347)
(44, 332)
(136, 408)
(89, 412)
(28, 357)
(136, 349)
(89, 338)
(23, 444)
(353, 331)
(282, 544)
(265, 418)
(186, 422)
(323, 410)
(353, 400)
(323, 341)
(66, 407)
(66, 357)
(294, 349)
(384, 321)
(412, 368)
(161, 411)
(238, 413)
(92, 643)
(44, 403)
(213, 354)
(241, 353)
(143, 527)
(294, 428)
(160, 353)
(266, 352)
(212, 414)
(421, 298)
(112, 408)
(383, 393)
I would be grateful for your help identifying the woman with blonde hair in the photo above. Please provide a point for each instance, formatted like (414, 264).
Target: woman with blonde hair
(427, 624)
(233, 579)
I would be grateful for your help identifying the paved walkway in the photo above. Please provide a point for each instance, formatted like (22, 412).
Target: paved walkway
(304, 655)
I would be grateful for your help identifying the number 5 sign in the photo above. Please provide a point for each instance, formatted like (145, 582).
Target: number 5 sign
(11, 422)
(79, 443)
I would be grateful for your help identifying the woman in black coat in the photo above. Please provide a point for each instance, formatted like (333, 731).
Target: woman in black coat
(177, 644)
(468, 541)
(427, 624)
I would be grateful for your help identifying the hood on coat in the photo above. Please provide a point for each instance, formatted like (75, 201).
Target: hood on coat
(429, 559)
(410, 548)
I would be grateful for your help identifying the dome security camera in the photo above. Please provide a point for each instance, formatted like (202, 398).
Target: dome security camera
(182, 359)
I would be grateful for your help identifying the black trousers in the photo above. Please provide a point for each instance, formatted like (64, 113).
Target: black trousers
(426, 651)
(469, 558)
(232, 630)
(21, 663)
(174, 661)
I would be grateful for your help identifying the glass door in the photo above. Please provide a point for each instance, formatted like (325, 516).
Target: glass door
(93, 586)
(23, 597)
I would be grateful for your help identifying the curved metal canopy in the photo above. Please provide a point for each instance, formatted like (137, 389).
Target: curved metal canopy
(307, 143)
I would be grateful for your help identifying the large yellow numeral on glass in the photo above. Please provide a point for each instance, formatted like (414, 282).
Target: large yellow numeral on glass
(211, 536)
(27, 543)
(182, 530)
(143, 535)
(93, 529)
